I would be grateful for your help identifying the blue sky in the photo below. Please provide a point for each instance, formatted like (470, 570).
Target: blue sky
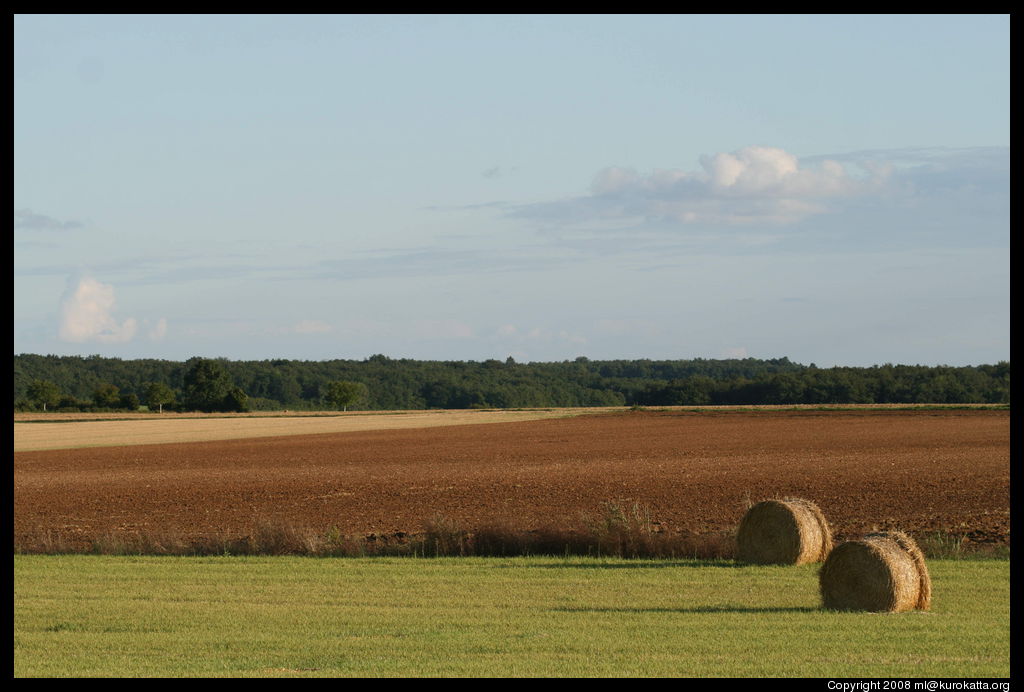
(834, 189)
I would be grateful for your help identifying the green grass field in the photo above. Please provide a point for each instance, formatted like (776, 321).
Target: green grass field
(87, 615)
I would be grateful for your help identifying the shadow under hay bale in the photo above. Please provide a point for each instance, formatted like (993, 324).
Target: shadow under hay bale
(883, 572)
(790, 531)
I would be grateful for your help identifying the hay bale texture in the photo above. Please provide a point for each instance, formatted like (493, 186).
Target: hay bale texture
(790, 531)
(882, 572)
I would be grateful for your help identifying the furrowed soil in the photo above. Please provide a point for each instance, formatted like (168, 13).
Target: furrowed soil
(917, 470)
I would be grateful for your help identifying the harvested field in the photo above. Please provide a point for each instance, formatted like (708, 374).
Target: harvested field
(72, 430)
(919, 471)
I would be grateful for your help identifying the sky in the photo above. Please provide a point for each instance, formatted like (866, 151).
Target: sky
(829, 188)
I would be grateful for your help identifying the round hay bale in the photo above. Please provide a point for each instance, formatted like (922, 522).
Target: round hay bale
(791, 531)
(883, 572)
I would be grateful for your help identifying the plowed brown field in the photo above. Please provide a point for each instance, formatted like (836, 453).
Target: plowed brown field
(921, 471)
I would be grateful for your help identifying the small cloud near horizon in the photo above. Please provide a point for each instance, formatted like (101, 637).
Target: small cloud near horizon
(735, 352)
(86, 314)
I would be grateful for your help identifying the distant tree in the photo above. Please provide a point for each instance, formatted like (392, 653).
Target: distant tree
(44, 393)
(235, 400)
(158, 395)
(129, 401)
(106, 395)
(70, 403)
(285, 388)
(206, 385)
(342, 394)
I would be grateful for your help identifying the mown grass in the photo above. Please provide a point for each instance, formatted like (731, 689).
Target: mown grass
(82, 615)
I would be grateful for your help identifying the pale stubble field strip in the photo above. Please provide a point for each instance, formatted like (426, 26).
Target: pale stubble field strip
(35, 434)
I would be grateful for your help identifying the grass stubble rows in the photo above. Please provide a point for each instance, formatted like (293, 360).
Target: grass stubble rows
(81, 615)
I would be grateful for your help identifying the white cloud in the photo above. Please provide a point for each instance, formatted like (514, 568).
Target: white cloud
(751, 169)
(613, 180)
(86, 314)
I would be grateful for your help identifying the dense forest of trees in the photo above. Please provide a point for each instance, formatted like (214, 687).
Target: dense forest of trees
(74, 383)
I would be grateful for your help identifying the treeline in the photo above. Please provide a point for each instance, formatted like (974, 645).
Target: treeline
(382, 383)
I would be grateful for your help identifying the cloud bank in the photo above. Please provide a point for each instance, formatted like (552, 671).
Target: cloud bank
(750, 185)
(27, 220)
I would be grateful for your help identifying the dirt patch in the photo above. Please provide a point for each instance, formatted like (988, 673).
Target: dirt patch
(919, 471)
